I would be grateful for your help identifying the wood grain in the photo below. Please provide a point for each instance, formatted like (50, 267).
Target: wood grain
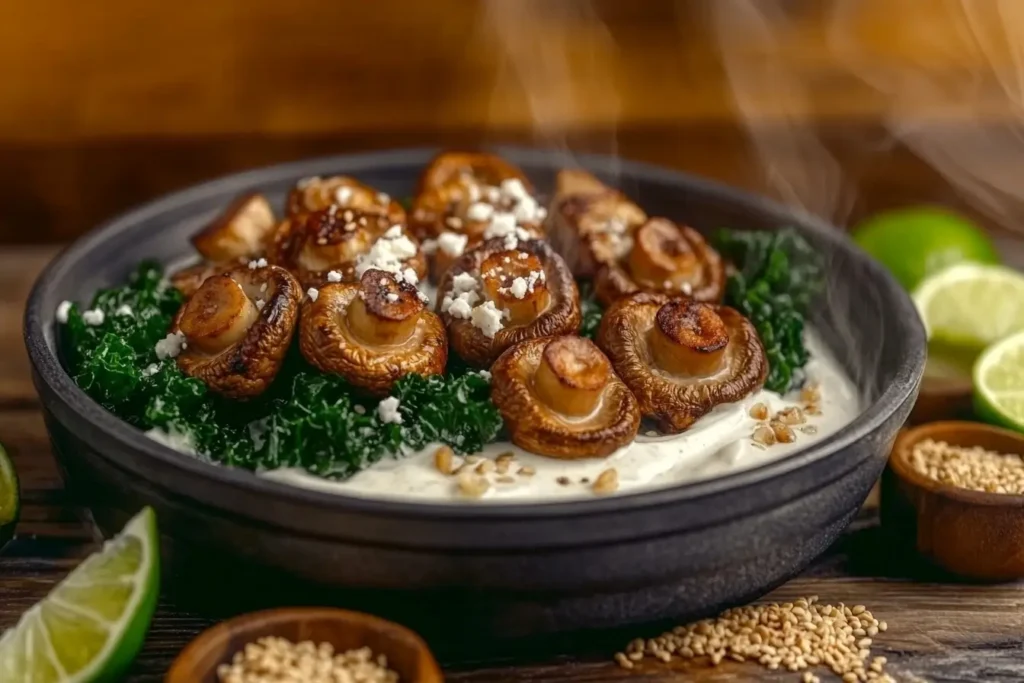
(940, 630)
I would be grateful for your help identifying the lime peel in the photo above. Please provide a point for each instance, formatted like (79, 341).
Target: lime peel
(999, 383)
(971, 305)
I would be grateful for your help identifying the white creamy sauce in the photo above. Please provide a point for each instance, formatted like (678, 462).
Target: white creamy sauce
(718, 444)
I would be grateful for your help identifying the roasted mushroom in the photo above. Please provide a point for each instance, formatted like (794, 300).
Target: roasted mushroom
(590, 222)
(240, 233)
(503, 292)
(317, 194)
(372, 332)
(337, 245)
(461, 196)
(681, 358)
(559, 397)
(663, 258)
(237, 328)
(188, 280)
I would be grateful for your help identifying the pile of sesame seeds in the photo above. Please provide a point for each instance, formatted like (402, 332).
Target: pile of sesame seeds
(972, 468)
(795, 636)
(277, 660)
(784, 424)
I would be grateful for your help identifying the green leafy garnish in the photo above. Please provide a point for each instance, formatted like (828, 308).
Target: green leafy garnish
(592, 311)
(306, 420)
(777, 277)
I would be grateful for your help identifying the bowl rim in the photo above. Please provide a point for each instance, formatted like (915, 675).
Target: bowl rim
(906, 440)
(52, 374)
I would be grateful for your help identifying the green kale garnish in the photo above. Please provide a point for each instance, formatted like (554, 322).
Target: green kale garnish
(592, 311)
(776, 279)
(307, 419)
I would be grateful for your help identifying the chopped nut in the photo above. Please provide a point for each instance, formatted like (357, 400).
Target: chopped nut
(443, 460)
(563, 481)
(811, 394)
(809, 429)
(471, 485)
(790, 416)
(783, 433)
(759, 411)
(607, 481)
(505, 479)
(764, 435)
(485, 467)
(526, 471)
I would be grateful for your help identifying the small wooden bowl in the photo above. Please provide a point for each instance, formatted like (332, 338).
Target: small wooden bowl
(407, 654)
(973, 534)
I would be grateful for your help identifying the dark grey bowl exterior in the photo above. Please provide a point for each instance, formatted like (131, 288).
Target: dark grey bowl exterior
(513, 570)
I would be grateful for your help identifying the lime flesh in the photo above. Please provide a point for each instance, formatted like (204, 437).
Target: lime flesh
(914, 243)
(999, 383)
(9, 504)
(91, 625)
(968, 307)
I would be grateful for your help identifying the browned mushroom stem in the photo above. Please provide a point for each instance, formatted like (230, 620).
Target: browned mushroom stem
(238, 327)
(664, 258)
(559, 397)
(589, 222)
(241, 232)
(315, 244)
(343, 192)
(681, 358)
(188, 280)
(537, 286)
(515, 281)
(372, 332)
(481, 167)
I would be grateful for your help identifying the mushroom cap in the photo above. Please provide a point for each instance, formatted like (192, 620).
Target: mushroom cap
(240, 232)
(541, 428)
(455, 181)
(664, 258)
(246, 367)
(317, 194)
(561, 316)
(590, 222)
(330, 342)
(675, 401)
(313, 244)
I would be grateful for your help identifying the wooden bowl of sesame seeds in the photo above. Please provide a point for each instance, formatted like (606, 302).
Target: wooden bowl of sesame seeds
(332, 642)
(957, 489)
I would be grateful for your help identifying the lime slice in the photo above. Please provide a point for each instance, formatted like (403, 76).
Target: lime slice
(9, 506)
(971, 306)
(999, 383)
(91, 626)
(916, 242)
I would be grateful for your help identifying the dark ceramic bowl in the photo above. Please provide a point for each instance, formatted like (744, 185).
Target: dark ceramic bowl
(486, 570)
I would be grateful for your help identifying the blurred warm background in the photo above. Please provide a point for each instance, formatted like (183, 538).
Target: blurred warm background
(845, 106)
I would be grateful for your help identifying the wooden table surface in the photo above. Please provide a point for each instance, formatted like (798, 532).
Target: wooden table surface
(938, 630)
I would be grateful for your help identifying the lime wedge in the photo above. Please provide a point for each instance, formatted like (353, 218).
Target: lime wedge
(91, 626)
(999, 383)
(9, 506)
(971, 306)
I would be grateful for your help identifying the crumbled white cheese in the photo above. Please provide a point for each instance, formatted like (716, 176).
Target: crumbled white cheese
(493, 194)
(518, 288)
(62, 312)
(461, 306)
(93, 317)
(479, 211)
(473, 192)
(487, 318)
(521, 285)
(171, 345)
(501, 224)
(687, 288)
(428, 247)
(383, 198)
(334, 276)
(124, 309)
(259, 263)
(312, 293)
(343, 195)
(452, 243)
(523, 256)
(513, 188)
(423, 297)
(260, 303)
(392, 297)
(485, 374)
(388, 254)
(464, 282)
(263, 287)
(387, 410)
(453, 222)
(151, 370)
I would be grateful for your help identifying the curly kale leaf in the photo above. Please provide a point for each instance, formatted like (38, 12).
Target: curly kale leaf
(777, 277)
(592, 311)
(454, 410)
